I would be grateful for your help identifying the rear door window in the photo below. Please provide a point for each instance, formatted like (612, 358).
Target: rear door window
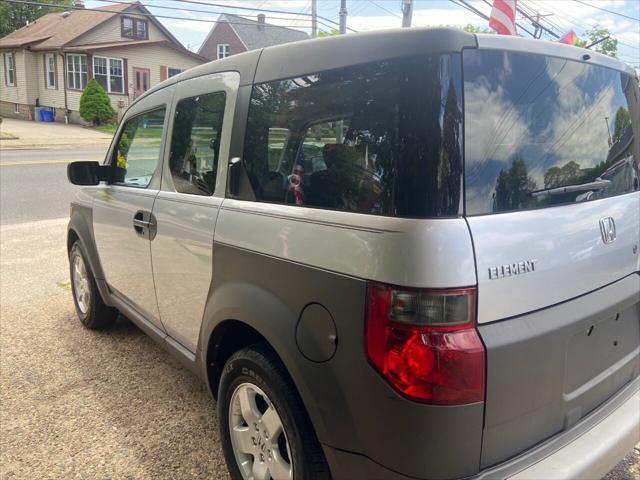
(543, 131)
(195, 143)
(382, 138)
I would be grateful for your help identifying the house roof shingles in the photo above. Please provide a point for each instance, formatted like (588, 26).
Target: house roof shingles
(254, 37)
(55, 30)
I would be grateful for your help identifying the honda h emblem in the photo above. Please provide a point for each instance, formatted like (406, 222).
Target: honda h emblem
(607, 229)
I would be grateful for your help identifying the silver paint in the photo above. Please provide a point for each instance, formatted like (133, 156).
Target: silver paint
(433, 253)
(182, 249)
(566, 242)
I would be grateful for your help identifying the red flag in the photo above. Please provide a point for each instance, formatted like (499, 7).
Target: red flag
(503, 17)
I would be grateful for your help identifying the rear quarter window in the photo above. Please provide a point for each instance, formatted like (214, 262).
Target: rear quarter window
(383, 138)
(543, 131)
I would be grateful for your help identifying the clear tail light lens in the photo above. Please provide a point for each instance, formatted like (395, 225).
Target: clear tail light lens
(425, 344)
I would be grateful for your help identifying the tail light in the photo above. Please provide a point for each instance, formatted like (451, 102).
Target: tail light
(424, 343)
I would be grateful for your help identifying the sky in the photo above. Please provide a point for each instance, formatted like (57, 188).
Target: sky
(191, 27)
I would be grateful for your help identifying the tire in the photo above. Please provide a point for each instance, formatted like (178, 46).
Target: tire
(91, 310)
(257, 368)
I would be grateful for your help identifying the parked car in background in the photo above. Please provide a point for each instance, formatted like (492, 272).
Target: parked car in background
(377, 251)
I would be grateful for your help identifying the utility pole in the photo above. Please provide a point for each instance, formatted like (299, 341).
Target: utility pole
(314, 18)
(407, 13)
(343, 16)
(606, 119)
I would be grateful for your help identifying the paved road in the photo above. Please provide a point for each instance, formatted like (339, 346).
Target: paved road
(33, 183)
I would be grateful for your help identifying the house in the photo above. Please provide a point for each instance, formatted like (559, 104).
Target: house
(233, 34)
(49, 62)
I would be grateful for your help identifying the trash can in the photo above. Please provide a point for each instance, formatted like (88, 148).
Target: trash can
(37, 110)
(46, 115)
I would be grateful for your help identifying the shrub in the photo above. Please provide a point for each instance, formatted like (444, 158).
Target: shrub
(95, 106)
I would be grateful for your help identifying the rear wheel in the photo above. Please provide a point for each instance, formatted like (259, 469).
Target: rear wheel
(91, 310)
(264, 428)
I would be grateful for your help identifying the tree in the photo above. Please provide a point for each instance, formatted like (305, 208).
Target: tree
(621, 123)
(469, 28)
(330, 33)
(14, 16)
(95, 105)
(608, 47)
(513, 188)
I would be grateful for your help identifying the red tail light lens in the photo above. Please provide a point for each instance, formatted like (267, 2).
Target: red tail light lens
(424, 343)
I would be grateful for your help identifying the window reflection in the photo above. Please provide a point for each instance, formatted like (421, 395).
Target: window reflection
(382, 138)
(543, 131)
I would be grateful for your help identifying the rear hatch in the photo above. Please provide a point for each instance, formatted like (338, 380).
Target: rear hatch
(553, 207)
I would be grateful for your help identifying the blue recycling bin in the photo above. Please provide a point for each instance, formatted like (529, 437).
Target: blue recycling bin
(46, 116)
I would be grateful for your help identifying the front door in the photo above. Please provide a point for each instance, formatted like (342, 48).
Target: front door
(140, 81)
(186, 209)
(122, 212)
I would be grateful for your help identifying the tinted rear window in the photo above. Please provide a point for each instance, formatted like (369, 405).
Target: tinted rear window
(542, 131)
(382, 138)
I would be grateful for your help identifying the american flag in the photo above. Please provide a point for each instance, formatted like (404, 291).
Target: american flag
(503, 17)
(296, 179)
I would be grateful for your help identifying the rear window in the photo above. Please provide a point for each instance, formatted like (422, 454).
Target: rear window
(542, 131)
(383, 138)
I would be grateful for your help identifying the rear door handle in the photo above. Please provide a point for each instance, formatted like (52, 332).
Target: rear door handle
(144, 224)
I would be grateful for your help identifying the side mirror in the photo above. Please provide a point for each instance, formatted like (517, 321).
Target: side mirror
(87, 173)
(234, 173)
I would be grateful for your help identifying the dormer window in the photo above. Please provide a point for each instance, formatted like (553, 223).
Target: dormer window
(135, 28)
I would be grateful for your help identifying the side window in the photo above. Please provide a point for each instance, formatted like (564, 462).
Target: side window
(381, 138)
(138, 151)
(195, 143)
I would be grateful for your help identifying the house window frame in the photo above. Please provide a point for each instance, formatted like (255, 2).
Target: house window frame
(226, 50)
(109, 75)
(83, 75)
(176, 71)
(9, 57)
(50, 69)
(135, 33)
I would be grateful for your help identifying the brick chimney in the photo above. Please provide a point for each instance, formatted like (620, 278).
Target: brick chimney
(261, 21)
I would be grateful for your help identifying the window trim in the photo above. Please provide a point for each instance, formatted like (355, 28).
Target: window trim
(226, 50)
(108, 59)
(113, 154)
(47, 71)
(11, 56)
(134, 29)
(86, 72)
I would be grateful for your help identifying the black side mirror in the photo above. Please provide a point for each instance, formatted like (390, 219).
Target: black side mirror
(234, 173)
(87, 173)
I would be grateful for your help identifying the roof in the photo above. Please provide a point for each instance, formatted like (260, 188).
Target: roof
(254, 37)
(57, 30)
(54, 30)
(94, 47)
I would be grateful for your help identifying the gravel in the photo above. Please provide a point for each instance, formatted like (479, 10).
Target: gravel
(77, 404)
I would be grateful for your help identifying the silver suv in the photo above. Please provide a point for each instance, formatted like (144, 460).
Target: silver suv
(407, 254)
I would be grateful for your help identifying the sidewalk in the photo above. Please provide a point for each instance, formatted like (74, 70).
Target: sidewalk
(33, 135)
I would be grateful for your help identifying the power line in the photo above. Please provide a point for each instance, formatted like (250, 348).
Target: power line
(170, 17)
(121, 2)
(464, 4)
(199, 2)
(608, 11)
(384, 8)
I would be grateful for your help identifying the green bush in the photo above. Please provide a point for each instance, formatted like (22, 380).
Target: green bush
(95, 106)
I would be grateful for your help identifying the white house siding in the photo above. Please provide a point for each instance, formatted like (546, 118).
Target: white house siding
(110, 31)
(143, 56)
(11, 94)
(30, 79)
(51, 97)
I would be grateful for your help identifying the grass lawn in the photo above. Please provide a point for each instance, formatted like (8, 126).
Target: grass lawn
(110, 128)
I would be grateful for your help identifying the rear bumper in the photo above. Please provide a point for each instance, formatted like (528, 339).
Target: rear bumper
(589, 450)
(594, 453)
